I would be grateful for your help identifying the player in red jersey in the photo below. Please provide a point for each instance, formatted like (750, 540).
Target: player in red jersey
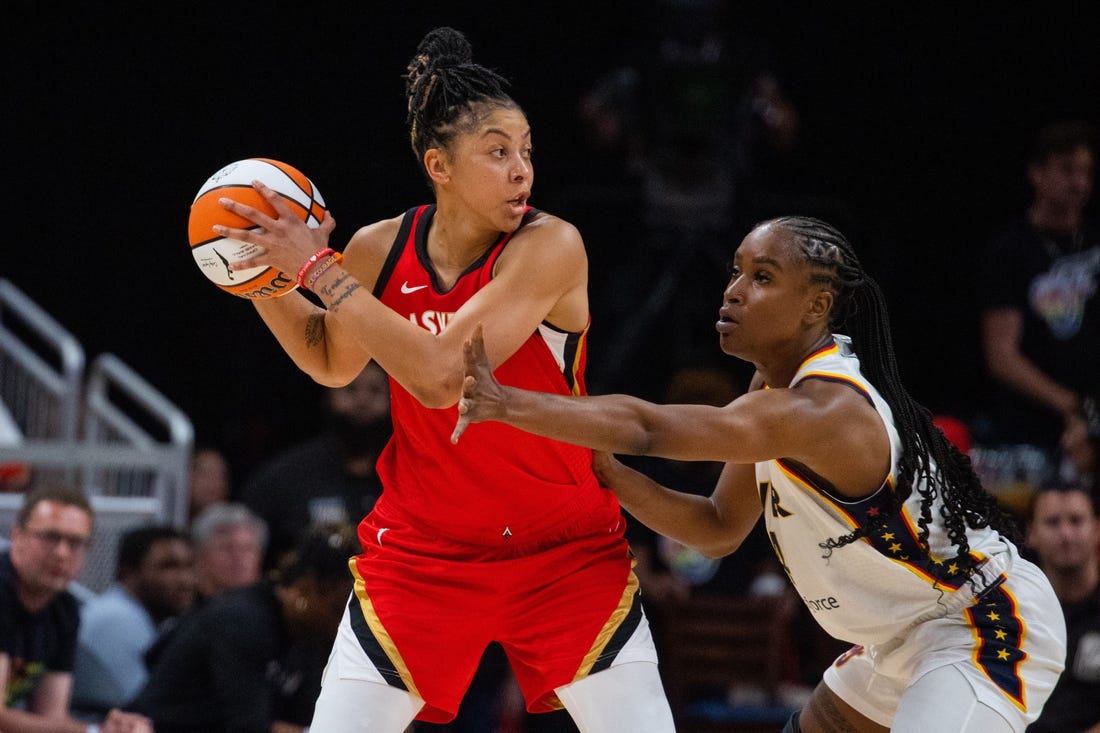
(508, 537)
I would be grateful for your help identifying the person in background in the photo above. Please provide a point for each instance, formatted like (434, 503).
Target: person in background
(155, 583)
(231, 666)
(209, 480)
(39, 617)
(229, 541)
(1063, 532)
(1040, 309)
(331, 477)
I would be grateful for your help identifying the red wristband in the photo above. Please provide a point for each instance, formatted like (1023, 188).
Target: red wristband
(310, 263)
(314, 273)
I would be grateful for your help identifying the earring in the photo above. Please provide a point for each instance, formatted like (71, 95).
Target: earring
(301, 604)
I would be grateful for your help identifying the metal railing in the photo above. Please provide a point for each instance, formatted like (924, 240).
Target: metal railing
(108, 432)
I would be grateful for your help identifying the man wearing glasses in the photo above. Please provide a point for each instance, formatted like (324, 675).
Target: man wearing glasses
(39, 616)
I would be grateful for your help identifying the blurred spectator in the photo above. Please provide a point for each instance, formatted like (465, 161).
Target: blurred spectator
(228, 542)
(1041, 311)
(672, 113)
(702, 133)
(233, 665)
(209, 480)
(229, 548)
(330, 478)
(39, 617)
(1063, 532)
(155, 583)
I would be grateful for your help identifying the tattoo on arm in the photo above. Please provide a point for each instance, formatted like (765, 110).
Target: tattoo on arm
(315, 329)
(339, 290)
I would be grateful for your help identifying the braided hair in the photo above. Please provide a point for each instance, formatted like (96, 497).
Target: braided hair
(448, 94)
(859, 311)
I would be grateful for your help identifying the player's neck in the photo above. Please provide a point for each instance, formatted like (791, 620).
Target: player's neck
(454, 243)
(780, 370)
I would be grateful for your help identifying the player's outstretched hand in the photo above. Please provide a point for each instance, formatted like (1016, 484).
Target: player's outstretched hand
(482, 395)
(285, 242)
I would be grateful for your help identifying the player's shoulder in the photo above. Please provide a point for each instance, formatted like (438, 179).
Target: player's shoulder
(377, 235)
(544, 227)
(369, 247)
(540, 220)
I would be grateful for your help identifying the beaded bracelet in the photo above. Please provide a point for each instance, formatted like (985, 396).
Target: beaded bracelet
(333, 259)
(313, 260)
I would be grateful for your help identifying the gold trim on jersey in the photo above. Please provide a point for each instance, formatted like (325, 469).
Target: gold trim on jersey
(618, 616)
(381, 636)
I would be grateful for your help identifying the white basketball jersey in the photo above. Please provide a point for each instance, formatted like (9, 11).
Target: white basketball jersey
(870, 590)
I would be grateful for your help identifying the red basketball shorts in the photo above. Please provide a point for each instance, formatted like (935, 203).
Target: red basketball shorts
(425, 608)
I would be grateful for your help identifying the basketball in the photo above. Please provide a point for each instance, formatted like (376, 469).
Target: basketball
(213, 253)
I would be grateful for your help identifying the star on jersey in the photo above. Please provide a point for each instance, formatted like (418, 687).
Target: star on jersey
(999, 635)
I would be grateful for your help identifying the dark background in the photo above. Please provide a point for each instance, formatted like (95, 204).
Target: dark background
(114, 115)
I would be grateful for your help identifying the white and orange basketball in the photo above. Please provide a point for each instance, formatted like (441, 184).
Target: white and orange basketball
(214, 253)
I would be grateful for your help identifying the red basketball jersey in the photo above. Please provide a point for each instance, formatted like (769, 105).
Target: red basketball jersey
(498, 482)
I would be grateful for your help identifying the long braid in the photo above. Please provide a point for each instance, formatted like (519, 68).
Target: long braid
(447, 92)
(860, 312)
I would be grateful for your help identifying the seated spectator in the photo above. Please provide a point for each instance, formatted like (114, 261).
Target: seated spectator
(1063, 532)
(234, 666)
(155, 583)
(331, 477)
(39, 617)
(229, 548)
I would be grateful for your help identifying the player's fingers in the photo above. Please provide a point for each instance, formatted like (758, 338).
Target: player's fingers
(244, 210)
(469, 358)
(274, 198)
(241, 235)
(480, 364)
(255, 261)
(460, 428)
(479, 345)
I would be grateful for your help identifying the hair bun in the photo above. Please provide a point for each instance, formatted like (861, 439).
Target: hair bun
(444, 47)
(442, 82)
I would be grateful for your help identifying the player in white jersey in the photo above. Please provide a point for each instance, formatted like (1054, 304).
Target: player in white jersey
(881, 524)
